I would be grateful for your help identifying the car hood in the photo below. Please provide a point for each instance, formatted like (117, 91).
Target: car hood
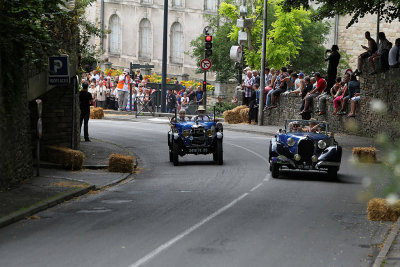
(188, 125)
(298, 136)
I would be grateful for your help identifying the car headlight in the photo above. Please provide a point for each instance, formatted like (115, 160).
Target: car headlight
(210, 133)
(186, 133)
(321, 144)
(297, 157)
(290, 141)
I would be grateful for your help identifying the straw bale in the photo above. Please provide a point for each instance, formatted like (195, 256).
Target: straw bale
(365, 154)
(68, 158)
(379, 210)
(237, 115)
(96, 113)
(120, 163)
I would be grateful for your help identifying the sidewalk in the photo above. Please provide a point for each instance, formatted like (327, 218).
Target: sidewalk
(56, 185)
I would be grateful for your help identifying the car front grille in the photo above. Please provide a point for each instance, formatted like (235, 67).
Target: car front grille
(305, 149)
(198, 135)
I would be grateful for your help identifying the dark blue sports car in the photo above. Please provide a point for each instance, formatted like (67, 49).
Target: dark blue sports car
(305, 145)
(195, 137)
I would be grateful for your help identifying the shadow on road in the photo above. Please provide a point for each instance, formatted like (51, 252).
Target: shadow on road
(315, 176)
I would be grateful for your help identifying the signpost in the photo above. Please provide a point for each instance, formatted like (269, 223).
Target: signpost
(39, 130)
(59, 70)
(205, 64)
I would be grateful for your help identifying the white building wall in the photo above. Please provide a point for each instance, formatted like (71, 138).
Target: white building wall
(191, 16)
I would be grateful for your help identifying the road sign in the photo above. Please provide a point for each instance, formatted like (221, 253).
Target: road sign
(205, 64)
(59, 70)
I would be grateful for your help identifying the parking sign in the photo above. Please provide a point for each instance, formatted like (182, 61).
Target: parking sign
(59, 70)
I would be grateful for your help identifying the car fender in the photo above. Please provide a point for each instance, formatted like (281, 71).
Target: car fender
(277, 149)
(332, 153)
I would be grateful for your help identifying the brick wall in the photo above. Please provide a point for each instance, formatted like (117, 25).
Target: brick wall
(383, 86)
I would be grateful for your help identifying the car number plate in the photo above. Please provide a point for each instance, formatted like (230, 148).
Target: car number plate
(198, 150)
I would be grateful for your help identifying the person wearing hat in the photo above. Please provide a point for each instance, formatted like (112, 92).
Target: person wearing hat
(124, 81)
(319, 88)
(333, 60)
(201, 114)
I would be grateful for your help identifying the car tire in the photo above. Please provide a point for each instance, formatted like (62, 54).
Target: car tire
(175, 153)
(333, 172)
(218, 156)
(274, 167)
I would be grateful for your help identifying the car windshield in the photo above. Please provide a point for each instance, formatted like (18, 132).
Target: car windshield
(304, 126)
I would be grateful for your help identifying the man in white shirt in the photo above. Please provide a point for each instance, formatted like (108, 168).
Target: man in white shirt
(101, 91)
(394, 54)
(201, 115)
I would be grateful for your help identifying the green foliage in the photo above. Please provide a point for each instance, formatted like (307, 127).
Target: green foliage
(285, 39)
(389, 10)
(219, 109)
(311, 53)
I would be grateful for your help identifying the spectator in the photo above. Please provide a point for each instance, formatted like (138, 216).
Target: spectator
(219, 101)
(199, 95)
(139, 75)
(340, 94)
(276, 84)
(85, 99)
(124, 81)
(92, 91)
(172, 102)
(354, 100)
(192, 95)
(292, 86)
(284, 83)
(324, 97)
(184, 101)
(268, 77)
(381, 55)
(101, 90)
(321, 84)
(353, 87)
(248, 88)
(333, 60)
(253, 112)
(308, 87)
(235, 101)
(140, 98)
(371, 49)
(256, 77)
(394, 54)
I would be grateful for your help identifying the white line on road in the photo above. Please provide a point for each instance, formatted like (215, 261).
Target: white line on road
(168, 244)
(255, 188)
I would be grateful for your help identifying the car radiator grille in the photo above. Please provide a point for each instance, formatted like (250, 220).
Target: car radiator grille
(305, 149)
(198, 136)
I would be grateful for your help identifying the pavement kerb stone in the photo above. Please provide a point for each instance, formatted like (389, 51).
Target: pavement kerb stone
(42, 206)
(389, 242)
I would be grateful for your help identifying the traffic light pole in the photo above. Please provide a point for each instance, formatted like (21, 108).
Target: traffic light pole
(205, 90)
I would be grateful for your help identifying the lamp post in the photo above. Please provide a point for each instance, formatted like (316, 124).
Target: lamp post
(164, 59)
(262, 78)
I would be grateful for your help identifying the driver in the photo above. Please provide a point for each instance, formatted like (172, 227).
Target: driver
(313, 126)
(201, 114)
(294, 126)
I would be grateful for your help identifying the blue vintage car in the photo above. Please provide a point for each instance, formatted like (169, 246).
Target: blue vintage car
(305, 145)
(195, 137)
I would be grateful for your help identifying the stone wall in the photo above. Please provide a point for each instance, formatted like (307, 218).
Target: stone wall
(383, 86)
(57, 117)
(351, 39)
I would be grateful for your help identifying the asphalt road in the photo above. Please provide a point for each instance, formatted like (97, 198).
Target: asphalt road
(201, 214)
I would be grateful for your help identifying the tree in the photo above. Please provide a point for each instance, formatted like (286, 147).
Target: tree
(388, 10)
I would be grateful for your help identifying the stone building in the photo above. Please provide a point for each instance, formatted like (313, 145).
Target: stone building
(136, 31)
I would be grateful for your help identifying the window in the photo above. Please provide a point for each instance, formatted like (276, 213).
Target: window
(209, 5)
(115, 35)
(177, 3)
(176, 43)
(146, 1)
(145, 37)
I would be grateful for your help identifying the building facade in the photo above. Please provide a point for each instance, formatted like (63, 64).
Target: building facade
(135, 31)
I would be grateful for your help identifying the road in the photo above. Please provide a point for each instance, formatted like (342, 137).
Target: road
(201, 214)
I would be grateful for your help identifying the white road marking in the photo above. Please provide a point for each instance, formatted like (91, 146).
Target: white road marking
(159, 119)
(257, 186)
(171, 242)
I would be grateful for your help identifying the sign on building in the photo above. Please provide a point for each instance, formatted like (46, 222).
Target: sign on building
(59, 70)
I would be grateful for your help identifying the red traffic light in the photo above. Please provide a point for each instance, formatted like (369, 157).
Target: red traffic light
(204, 83)
(208, 38)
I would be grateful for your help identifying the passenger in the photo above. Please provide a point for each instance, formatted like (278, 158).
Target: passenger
(201, 114)
(182, 116)
(313, 126)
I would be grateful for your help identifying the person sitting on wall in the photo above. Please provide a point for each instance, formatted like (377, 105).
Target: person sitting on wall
(381, 55)
(321, 84)
(371, 49)
(394, 54)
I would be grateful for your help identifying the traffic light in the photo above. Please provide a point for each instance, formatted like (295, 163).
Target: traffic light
(207, 46)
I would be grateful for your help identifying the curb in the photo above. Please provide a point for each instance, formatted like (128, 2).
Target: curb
(49, 165)
(9, 219)
(385, 250)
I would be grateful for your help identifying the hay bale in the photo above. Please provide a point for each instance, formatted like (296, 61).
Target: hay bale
(379, 210)
(120, 163)
(96, 113)
(68, 158)
(365, 154)
(237, 115)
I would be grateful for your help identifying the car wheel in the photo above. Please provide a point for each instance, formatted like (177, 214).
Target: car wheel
(274, 167)
(332, 172)
(218, 156)
(175, 153)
